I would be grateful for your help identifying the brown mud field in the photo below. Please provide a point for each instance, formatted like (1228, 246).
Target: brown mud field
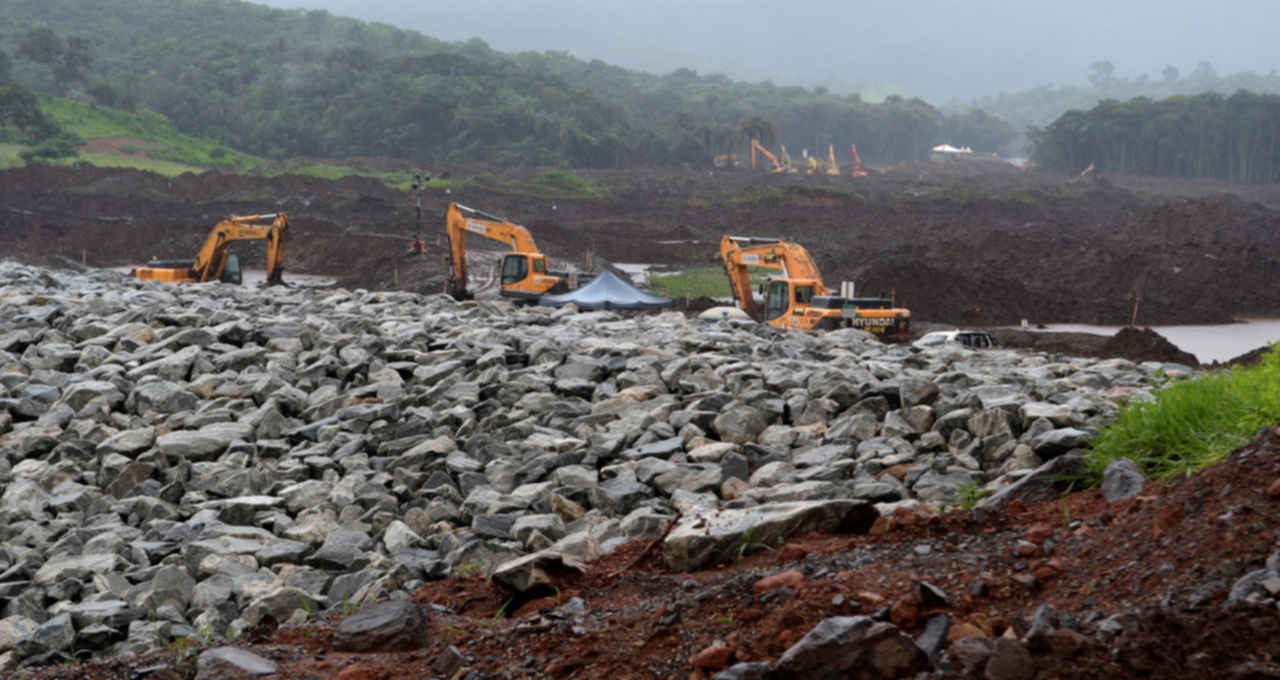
(977, 243)
(1137, 588)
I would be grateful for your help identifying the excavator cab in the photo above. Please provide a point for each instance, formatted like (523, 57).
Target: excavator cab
(784, 296)
(231, 270)
(777, 299)
(516, 268)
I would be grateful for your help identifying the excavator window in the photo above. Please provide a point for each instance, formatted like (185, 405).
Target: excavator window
(515, 268)
(804, 294)
(777, 300)
(231, 270)
(539, 266)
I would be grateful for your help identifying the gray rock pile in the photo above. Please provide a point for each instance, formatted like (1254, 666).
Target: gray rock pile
(199, 460)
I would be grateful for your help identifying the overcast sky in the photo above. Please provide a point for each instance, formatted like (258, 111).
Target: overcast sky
(938, 49)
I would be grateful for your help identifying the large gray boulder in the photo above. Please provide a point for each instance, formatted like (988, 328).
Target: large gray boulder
(1122, 480)
(1046, 482)
(851, 647)
(395, 626)
(717, 536)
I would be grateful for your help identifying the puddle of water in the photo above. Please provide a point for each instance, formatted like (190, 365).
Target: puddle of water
(1208, 343)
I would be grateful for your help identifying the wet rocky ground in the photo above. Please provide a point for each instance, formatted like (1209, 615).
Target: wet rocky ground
(202, 481)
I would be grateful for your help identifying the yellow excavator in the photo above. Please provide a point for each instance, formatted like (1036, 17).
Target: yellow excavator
(524, 273)
(798, 298)
(215, 261)
(817, 167)
(779, 166)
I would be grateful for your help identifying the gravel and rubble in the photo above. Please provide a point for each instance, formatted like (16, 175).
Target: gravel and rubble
(232, 465)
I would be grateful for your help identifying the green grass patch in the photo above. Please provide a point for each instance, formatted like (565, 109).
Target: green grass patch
(111, 160)
(709, 282)
(9, 157)
(160, 140)
(568, 184)
(1192, 423)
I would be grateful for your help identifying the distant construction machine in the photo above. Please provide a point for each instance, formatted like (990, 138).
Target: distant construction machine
(524, 273)
(856, 161)
(798, 298)
(780, 165)
(830, 167)
(215, 261)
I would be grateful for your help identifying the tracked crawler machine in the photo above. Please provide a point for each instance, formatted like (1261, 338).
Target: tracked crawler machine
(524, 274)
(215, 262)
(798, 298)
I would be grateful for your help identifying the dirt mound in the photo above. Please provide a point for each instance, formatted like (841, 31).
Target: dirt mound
(695, 306)
(1145, 345)
(1249, 358)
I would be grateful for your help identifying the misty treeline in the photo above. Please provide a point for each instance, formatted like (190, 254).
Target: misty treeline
(305, 83)
(1039, 106)
(1234, 138)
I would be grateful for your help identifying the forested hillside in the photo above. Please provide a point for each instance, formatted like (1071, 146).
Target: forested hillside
(1235, 138)
(1042, 105)
(305, 83)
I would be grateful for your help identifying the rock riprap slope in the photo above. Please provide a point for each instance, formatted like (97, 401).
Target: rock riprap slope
(180, 460)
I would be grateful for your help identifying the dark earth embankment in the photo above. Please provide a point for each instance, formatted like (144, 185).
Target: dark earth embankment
(973, 244)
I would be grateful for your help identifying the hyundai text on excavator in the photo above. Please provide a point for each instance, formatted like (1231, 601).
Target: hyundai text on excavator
(798, 299)
(524, 273)
(215, 261)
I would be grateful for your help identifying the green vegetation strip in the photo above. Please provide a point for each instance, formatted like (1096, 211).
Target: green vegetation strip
(9, 156)
(698, 282)
(162, 141)
(692, 283)
(160, 167)
(1193, 423)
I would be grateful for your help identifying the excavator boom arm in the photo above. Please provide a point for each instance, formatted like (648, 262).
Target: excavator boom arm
(792, 258)
(741, 252)
(757, 146)
(212, 256)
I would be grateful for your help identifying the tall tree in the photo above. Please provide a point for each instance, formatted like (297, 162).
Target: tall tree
(67, 60)
(20, 109)
(758, 129)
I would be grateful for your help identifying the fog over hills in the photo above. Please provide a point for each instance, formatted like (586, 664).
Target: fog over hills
(938, 49)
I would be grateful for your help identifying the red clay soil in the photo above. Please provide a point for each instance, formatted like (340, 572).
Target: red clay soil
(1165, 560)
